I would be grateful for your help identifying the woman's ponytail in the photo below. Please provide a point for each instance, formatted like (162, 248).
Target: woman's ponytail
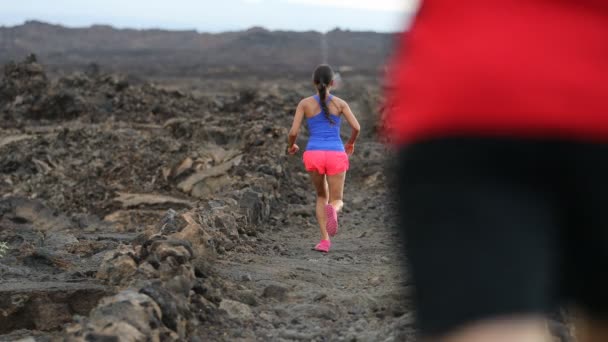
(322, 77)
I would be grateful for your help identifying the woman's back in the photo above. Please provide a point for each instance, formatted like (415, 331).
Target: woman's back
(324, 129)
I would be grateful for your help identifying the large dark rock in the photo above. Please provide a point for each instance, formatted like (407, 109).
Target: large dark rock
(45, 305)
(252, 203)
(174, 309)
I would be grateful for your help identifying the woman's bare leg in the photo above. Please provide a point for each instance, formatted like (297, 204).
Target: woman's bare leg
(529, 329)
(336, 190)
(320, 183)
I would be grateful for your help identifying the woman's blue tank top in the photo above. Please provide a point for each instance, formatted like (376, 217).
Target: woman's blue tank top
(324, 136)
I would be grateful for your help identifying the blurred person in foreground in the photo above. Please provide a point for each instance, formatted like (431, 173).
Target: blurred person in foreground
(499, 110)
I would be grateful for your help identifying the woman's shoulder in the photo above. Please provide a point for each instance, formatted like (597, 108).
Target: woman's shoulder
(307, 100)
(339, 101)
(308, 104)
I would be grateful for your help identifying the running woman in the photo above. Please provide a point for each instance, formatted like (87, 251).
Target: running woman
(325, 158)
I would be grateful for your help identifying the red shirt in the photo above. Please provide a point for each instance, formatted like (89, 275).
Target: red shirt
(524, 68)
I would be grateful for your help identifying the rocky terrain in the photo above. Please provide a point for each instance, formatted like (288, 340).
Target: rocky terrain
(257, 51)
(136, 211)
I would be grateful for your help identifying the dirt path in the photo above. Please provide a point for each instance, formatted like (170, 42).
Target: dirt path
(357, 292)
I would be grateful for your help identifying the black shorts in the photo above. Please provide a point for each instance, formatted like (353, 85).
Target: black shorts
(502, 227)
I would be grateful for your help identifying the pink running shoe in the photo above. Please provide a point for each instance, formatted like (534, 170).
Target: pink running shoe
(332, 220)
(323, 246)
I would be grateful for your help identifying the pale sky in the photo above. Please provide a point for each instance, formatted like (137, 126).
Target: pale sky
(216, 15)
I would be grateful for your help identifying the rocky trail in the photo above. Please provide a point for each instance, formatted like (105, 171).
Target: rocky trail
(138, 212)
(354, 293)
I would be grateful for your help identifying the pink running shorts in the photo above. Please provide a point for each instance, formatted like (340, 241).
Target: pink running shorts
(326, 162)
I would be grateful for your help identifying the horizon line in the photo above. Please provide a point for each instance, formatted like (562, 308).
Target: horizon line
(159, 28)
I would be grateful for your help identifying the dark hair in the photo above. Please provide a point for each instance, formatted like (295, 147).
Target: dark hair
(322, 77)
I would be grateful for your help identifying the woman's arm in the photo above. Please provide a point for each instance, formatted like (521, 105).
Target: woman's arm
(356, 128)
(292, 148)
